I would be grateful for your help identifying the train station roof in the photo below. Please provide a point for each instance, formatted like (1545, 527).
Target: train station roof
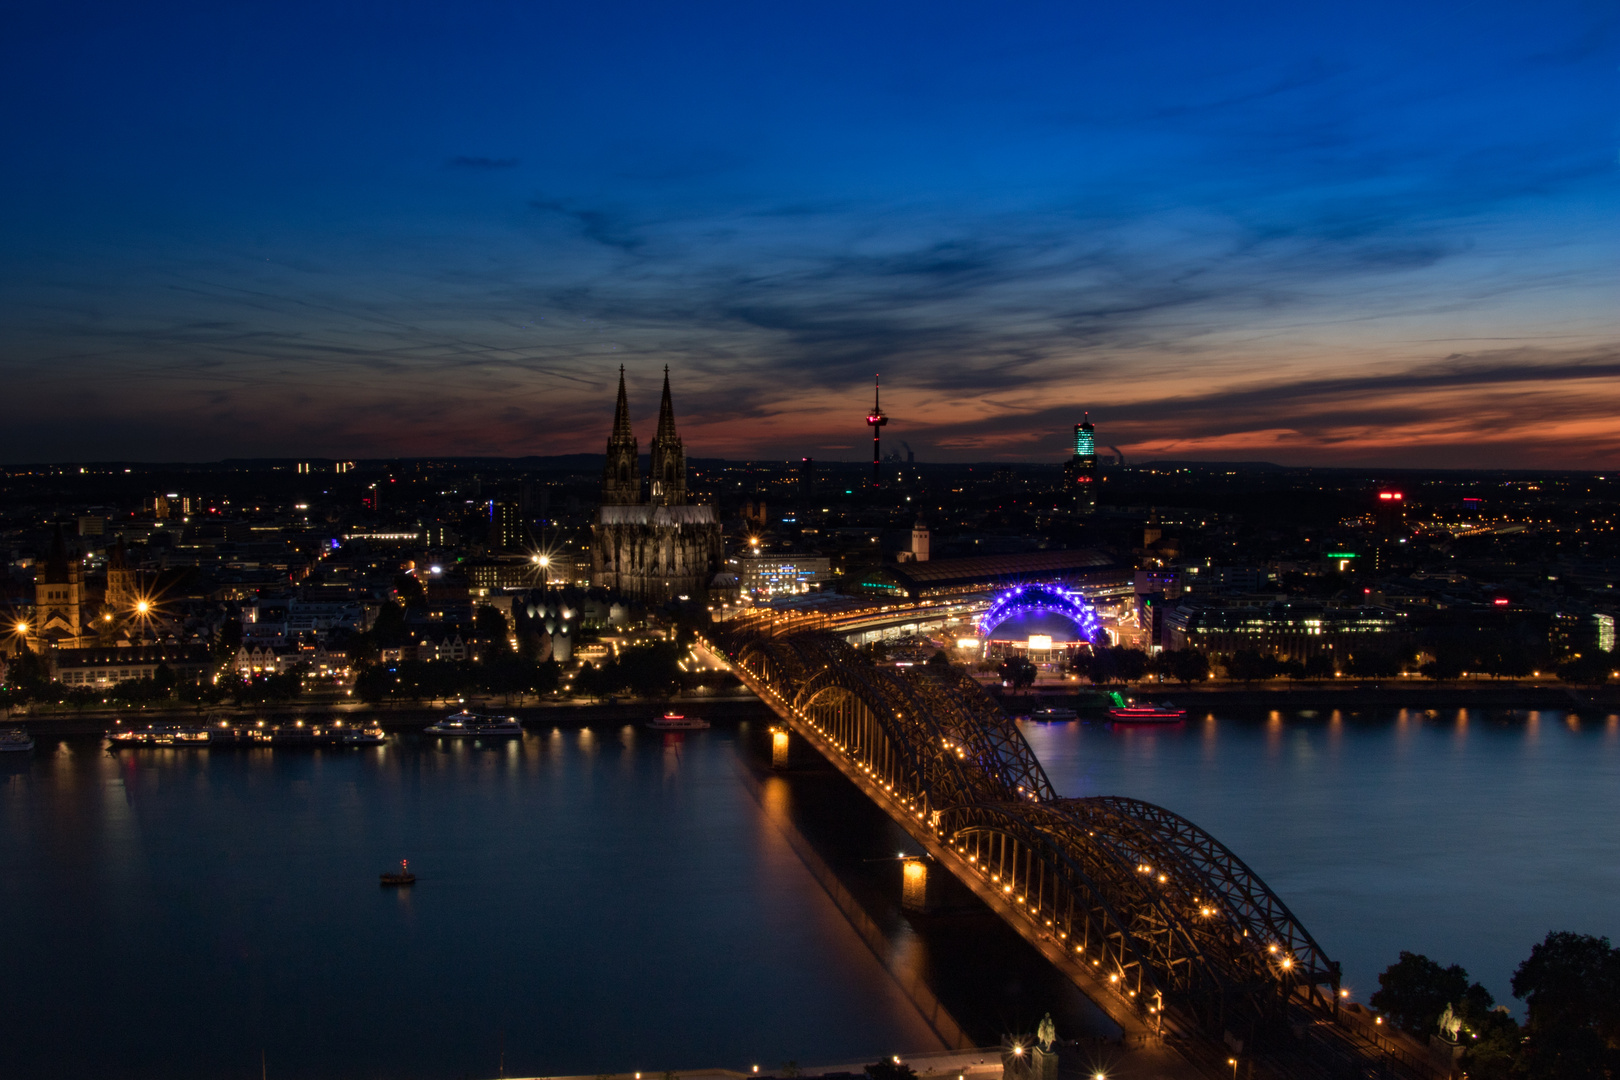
(987, 571)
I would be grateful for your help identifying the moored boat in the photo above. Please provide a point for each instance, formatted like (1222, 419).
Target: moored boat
(671, 721)
(160, 735)
(1054, 715)
(404, 877)
(369, 735)
(15, 740)
(1146, 713)
(467, 724)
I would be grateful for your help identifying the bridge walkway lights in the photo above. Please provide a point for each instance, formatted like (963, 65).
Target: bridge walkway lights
(1101, 885)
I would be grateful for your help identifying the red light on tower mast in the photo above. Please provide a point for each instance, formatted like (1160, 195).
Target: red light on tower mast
(875, 420)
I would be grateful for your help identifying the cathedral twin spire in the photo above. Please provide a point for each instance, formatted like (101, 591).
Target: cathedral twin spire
(666, 472)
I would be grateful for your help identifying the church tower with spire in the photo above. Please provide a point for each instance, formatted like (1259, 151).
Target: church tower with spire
(621, 476)
(657, 546)
(666, 471)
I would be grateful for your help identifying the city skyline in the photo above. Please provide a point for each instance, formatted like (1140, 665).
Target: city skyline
(1333, 237)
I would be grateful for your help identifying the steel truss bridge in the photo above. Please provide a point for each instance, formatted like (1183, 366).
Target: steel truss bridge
(1150, 915)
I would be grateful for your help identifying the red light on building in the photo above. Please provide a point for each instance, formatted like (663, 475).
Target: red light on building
(1500, 601)
(1389, 496)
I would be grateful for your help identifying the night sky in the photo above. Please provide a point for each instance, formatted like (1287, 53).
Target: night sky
(1304, 233)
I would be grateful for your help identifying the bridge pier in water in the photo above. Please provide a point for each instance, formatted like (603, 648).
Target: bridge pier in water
(914, 885)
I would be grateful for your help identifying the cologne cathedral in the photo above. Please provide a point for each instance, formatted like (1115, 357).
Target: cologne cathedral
(651, 544)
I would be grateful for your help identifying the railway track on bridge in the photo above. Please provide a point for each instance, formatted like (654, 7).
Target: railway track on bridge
(1152, 918)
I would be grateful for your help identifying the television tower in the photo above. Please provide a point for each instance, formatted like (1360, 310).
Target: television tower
(875, 420)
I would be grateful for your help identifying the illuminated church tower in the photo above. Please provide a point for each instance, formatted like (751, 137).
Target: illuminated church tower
(666, 471)
(658, 547)
(621, 475)
(120, 597)
(58, 600)
(1080, 472)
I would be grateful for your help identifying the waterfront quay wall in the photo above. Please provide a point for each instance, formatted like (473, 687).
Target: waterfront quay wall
(742, 704)
(1219, 698)
(714, 708)
(981, 1063)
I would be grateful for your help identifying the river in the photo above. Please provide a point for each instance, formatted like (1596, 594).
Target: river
(605, 899)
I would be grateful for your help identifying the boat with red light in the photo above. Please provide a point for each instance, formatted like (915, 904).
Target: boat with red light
(671, 721)
(1139, 712)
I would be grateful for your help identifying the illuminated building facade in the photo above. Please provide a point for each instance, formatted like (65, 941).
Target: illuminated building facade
(653, 547)
(58, 618)
(1286, 630)
(1080, 473)
(507, 529)
(781, 574)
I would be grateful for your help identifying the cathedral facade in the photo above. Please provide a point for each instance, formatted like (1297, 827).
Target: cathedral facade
(650, 543)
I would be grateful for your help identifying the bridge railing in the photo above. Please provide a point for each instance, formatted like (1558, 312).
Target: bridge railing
(1157, 907)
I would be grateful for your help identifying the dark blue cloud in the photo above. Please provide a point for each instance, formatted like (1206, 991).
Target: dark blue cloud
(225, 217)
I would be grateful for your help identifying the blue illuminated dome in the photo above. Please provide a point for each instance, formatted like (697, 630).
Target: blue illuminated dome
(1032, 607)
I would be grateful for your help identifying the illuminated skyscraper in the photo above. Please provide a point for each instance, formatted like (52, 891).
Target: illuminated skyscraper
(1080, 473)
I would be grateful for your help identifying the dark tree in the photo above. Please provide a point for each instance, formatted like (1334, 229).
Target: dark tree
(1248, 666)
(1588, 668)
(1374, 664)
(1129, 664)
(29, 673)
(1571, 984)
(1187, 666)
(1016, 672)
(1415, 990)
(1446, 665)
(1493, 1039)
(890, 1070)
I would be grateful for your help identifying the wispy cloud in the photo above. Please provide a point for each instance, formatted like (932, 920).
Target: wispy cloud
(1238, 240)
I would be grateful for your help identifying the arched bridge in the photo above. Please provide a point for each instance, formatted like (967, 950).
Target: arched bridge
(1145, 910)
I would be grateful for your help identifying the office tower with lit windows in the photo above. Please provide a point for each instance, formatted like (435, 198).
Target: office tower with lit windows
(1080, 472)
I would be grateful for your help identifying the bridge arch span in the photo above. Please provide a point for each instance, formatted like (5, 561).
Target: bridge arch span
(1149, 902)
